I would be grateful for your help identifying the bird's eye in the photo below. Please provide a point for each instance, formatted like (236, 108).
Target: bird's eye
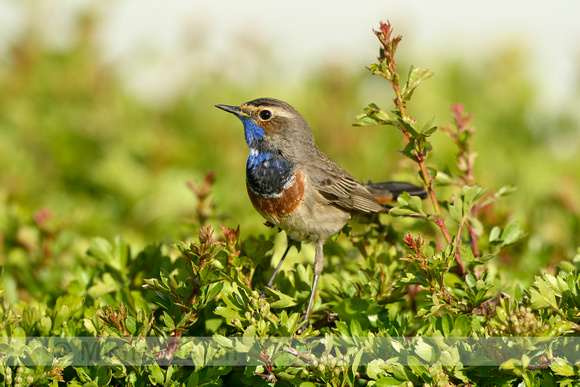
(265, 115)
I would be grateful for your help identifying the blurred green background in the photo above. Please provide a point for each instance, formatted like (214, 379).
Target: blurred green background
(83, 156)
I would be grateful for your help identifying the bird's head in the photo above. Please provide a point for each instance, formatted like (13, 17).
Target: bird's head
(271, 123)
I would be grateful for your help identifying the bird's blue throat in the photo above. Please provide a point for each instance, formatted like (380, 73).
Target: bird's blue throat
(252, 132)
(268, 173)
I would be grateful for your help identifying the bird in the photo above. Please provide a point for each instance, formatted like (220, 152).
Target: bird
(295, 186)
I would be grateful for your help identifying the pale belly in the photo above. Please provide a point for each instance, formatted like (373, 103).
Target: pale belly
(313, 223)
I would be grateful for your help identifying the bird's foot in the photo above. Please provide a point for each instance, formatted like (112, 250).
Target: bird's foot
(263, 291)
(304, 327)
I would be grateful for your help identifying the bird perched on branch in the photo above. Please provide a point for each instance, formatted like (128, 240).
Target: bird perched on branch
(296, 187)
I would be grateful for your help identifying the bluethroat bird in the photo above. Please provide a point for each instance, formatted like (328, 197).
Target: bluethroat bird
(298, 188)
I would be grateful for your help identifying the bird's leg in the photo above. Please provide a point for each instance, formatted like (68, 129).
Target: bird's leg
(290, 242)
(318, 265)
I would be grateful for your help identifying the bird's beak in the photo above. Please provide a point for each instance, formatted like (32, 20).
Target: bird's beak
(232, 109)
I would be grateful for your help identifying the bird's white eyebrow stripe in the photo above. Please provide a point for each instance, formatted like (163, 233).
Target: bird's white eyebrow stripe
(276, 111)
(279, 112)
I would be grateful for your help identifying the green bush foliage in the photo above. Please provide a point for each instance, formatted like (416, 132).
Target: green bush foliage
(81, 162)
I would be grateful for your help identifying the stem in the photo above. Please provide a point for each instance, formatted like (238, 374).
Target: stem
(387, 57)
(400, 103)
(457, 243)
(428, 179)
(429, 182)
(472, 234)
(439, 221)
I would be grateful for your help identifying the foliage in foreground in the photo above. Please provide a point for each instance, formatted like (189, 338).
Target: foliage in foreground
(441, 280)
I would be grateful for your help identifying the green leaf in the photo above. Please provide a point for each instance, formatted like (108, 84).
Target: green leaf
(250, 332)
(131, 324)
(470, 196)
(432, 172)
(470, 280)
(212, 291)
(427, 129)
(100, 249)
(401, 211)
(228, 313)
(416, 204)
(249, 339)
(503, 191)
(506, 190)
(156, 374)
(372, 115)
(460, 208)
(576, 259)
(562, 367)
(410, 127)
(556, 283)
(409, 205)
(114, 255)
(231, 300)
(404, 199)
(426, 351)
(354, 308)
(543, 296)
(416, 76)
(223, 341)
(401, 373)
(168, 320)
(444, 178)
(462, 325)
(284, 300)
(389, 382)
(444, 324)
(193, 380)
(40, 356)
(567, 267)
(417, 367)
(104, 285)
(30, 316)
(512, 233)
(456, 210)
(375, 369)
(342, 329)
(494, 234)
(356, 359)
(355, 329)
(409, 150)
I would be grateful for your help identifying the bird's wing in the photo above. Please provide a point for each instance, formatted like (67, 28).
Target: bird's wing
(336, 186)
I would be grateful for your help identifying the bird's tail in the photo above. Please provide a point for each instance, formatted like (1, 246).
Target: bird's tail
(387, 192)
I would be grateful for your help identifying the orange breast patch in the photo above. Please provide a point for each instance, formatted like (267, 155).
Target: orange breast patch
(283, 205)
